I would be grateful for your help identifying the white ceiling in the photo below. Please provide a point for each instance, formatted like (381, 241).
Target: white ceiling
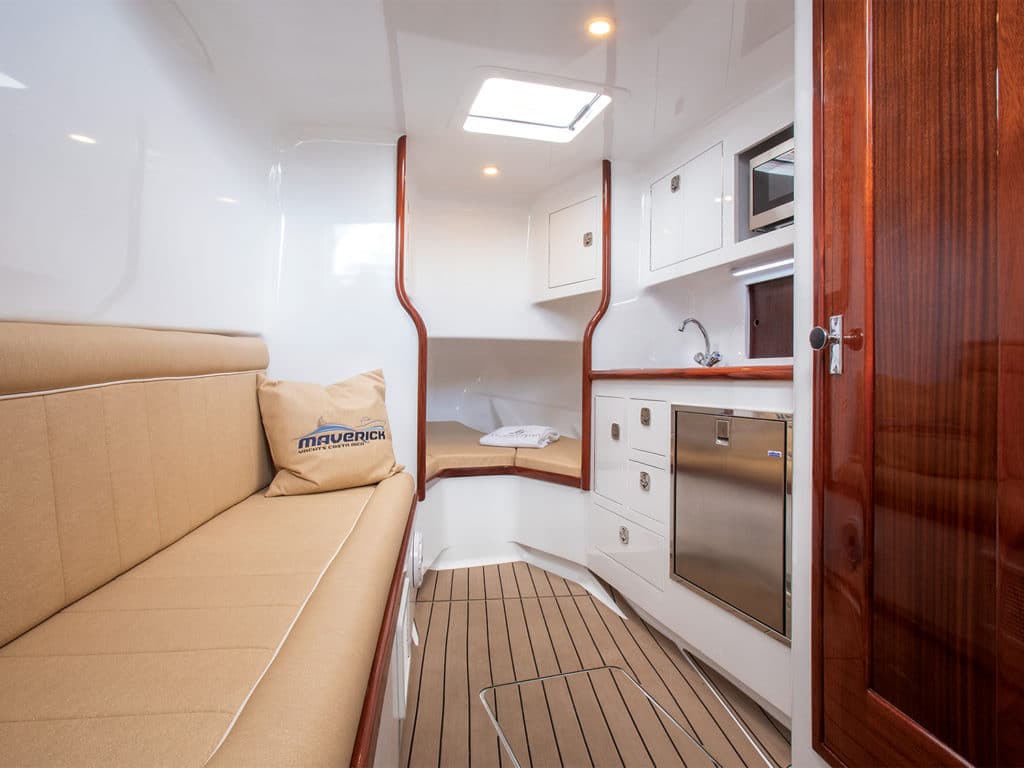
(378, 68)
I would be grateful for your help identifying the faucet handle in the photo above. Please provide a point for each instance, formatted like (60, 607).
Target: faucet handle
(699, 358)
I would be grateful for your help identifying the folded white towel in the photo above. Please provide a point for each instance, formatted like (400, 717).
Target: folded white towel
(529, 436)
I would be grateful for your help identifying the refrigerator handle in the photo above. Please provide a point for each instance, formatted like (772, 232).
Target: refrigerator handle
(722, 432)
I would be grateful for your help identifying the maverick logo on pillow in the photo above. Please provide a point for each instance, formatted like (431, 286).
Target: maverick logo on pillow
(327, 435)
(349, 415)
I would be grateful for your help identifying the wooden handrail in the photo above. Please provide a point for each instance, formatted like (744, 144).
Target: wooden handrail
(365, 746)
(602, 307)
(421, 328)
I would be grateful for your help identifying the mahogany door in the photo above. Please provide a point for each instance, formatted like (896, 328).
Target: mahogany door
(919, 532)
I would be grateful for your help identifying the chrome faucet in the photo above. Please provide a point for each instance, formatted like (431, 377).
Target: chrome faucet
(707, 358)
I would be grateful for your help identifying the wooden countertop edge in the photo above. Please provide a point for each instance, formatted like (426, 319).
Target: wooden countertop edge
(744, 372)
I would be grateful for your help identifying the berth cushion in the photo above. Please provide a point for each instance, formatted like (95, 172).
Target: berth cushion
(37, 357)
(266, 617)
(561, 457)
(96, 478)
(327, 438)
(451, 445)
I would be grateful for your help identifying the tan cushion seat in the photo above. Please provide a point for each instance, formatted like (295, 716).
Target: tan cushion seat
(271, 610)
(451, 445)
(561, 457)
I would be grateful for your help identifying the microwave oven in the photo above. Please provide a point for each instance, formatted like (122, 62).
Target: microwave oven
(771, 187)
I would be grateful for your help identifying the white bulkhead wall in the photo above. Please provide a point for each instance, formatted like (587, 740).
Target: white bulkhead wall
(156, 215)
(495, 356)
(173, 209)
(332, 309)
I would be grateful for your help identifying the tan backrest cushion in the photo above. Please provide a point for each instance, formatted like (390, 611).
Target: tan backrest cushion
(327, 438)
(96, 479)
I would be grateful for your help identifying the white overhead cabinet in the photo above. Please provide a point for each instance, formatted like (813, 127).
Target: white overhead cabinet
(574, 243)
(686, 210)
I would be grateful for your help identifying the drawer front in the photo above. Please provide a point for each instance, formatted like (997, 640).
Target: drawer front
(637, 548)
(610, 448)
(649, 492)
(649, 426)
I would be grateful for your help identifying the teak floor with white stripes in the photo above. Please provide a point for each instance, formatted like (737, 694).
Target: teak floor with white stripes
(497, 624)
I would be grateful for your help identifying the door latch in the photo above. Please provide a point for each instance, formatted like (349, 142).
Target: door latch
(645, 417)
(833, 338)
(645, 481)
(624, 534)
(615, 431)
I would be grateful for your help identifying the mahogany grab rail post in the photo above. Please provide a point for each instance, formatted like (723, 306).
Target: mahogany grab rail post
(602, 307)
(421, 328)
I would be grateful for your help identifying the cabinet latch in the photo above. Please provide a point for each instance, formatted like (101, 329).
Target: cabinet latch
(624, 534)
(615, 431)
(645, 417)
(674, 183)
(588, 239)
(645, 480)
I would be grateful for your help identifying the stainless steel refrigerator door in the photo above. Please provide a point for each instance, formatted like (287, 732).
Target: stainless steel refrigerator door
(730, 518)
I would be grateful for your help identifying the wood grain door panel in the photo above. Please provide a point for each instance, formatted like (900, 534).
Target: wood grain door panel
(918, 528)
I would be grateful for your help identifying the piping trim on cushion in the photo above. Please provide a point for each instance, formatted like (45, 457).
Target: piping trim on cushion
(287, 632)
(17, 395)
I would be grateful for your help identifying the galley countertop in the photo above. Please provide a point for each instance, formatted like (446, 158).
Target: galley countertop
(748, 372)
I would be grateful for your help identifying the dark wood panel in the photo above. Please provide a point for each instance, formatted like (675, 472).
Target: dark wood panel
(369, 718)
(421, 328)
(746, 372)
(770, 328)
(602, 307)
(935, 367)
(904, 519)
(1010, 691)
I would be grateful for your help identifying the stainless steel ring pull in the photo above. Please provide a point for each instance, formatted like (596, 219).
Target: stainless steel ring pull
(624, 534)
(645, 416)
(645, 480)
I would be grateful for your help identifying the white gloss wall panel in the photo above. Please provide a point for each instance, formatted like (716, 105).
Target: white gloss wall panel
(467, 273)
(714, 297)
(333, 311)
(162, 220)
(490, 383)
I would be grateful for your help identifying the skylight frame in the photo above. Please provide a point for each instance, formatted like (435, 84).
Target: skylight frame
(501, 123)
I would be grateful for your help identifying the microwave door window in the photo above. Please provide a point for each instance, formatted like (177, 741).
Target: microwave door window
(773, 183)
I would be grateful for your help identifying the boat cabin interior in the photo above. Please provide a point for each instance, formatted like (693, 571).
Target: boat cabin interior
(511, 383)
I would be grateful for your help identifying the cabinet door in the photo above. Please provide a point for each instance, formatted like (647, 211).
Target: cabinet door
(686, 210)
(702, 203)
(610, 451)
(574, 242)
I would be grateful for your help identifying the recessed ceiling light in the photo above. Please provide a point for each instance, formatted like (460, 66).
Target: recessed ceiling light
(6, 81)
(599, 27)
(82, 139)
(533, 111)
(490, 170)
(228, 200)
